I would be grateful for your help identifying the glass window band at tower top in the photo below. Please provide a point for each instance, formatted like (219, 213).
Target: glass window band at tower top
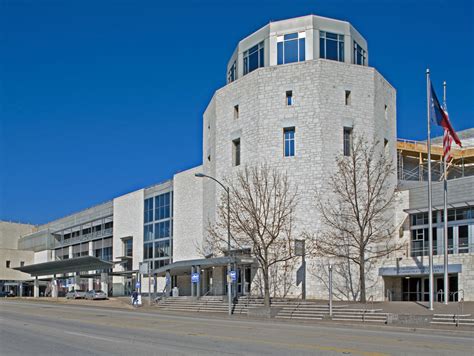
(254, 58)
(291, 48)
(331, 46)
(158, 230)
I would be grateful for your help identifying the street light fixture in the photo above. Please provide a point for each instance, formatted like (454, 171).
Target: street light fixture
(229, 284)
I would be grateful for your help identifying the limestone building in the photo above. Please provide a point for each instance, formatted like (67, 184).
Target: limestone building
(297, 92)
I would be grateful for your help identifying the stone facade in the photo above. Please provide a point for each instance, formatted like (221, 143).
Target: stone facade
(319, 114)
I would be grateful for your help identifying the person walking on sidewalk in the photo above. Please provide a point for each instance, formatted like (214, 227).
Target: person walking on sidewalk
(135, 298)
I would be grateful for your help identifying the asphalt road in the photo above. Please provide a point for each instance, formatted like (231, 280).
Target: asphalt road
(35, 328)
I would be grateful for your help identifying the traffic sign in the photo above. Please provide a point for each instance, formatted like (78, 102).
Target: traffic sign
(233, 275)
(137, 285)
(195, 278)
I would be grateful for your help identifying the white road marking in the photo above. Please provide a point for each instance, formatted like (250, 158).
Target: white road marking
(90, 336)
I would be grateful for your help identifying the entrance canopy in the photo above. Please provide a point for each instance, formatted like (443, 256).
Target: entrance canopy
(79, 264)
(184, 267)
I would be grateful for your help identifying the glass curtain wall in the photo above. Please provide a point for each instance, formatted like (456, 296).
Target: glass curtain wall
(158, 230)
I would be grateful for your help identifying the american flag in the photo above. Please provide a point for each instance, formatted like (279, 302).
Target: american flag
(447, 141)
(439, 116)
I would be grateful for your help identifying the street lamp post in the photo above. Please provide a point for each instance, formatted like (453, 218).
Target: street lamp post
(330, 290)
(229, 282)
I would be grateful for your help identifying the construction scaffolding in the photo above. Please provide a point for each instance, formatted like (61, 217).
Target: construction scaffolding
(413, 161)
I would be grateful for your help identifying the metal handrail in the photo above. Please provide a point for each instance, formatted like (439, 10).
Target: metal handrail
(442, 295)
(370, 300)
(461, 301)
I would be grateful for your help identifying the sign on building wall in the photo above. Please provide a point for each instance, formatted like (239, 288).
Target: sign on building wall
(195, 278)
(418, 270)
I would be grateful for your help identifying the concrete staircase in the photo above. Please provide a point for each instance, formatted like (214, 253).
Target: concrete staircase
(453, 319)
(207, 304)
(287, 308)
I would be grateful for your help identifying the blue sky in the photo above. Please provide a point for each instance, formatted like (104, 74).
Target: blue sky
(99, 98)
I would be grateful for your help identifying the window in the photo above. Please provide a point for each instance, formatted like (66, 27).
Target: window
(148, 210)
(162, 249)
(450, 240)
(347, 141)
(289, 141)
(232, 74)
(236, 152)
(386, 112)
(22, 263)
(162, 230)
(148, 232)
(236, 112)
(253, 58)
(420, 242)
(385, 142)
(162, 206)
(360, 56)
(331, 46)
(148, 251)
(422, 218)
(463, 239)
(289, 98)
(291, 48)
(348, 97)
(7, 264)
(128, 248)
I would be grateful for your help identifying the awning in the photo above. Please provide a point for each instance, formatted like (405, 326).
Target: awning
(462, 204)
(79, 264)
(184, 267)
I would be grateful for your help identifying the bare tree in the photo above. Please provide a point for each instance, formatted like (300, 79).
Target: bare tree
(357, 218)
(262, 208)
(346, 284)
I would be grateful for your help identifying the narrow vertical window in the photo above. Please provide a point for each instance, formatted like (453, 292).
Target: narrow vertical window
(289, 98)
(348, 97)
(386, 112)
(7, 264)
(22, 263)
(289, 141)
(236, 152)
(232, 74)
(236, 112)
(360, 55)
(347, 141)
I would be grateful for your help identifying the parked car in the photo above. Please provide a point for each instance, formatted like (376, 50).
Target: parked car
(96, 294)
(76, 294)
(7, 294)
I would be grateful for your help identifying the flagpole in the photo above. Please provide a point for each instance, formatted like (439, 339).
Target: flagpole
(445, 214)
(430, 215)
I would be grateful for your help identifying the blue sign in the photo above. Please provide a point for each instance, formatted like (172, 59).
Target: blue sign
(233, 275)
(195, 278)
(137, 286)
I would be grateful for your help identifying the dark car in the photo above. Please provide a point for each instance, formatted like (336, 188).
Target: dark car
(6, 294)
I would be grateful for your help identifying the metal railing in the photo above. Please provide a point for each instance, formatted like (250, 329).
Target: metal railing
(370, 300)
(458, 250)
